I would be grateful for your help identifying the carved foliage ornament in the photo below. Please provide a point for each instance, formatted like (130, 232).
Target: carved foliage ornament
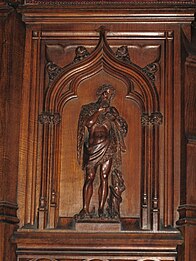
(155, 118)
(121, 54)
(150, 70)
(80, 53)
(53, 70)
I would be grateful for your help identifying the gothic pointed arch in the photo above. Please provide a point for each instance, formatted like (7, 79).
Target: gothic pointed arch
(139, 88)
(64, 87)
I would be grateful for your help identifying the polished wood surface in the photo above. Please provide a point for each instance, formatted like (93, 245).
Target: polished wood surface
(12, 48)
(147, 53)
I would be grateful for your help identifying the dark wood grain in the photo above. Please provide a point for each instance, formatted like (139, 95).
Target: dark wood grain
(187, 208)
(12, 48)
(55, 55)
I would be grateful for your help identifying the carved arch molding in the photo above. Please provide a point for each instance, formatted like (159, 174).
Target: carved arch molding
(63, 88)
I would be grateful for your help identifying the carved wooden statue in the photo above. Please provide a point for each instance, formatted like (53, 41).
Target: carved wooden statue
(101, 132)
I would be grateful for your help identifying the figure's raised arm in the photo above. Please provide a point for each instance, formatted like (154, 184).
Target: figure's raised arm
(91, 120)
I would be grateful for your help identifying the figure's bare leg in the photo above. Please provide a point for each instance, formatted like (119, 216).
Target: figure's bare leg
(103, 188)
(88, 190)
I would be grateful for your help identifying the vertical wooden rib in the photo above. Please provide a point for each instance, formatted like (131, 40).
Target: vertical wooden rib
(155, 183)
(32, 138)
(168, 159)
(144, 197)
(24, 127)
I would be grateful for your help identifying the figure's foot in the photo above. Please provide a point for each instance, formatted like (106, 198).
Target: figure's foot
(83, 214)
(100, 212)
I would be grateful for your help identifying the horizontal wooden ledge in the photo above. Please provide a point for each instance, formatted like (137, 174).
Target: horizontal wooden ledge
(111, 255)
(8, 212)
(111, 15)
(107, 13)
(105, 1)
(61, 20)
(94, 35)
(110, 3)
(81, 240)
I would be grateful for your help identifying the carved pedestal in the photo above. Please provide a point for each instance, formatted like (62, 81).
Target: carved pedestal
(83, 226)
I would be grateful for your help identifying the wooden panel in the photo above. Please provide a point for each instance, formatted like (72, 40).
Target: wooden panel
(156, 59)
(67, 87)
(187, 208)
(10, 81)
(191, 167)
(68, 55)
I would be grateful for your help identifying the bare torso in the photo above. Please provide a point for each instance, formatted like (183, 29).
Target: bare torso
(98, 133)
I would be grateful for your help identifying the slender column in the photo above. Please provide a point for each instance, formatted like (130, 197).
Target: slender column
(169, 132)
(47, 193)
(150, 163)
(187, 208)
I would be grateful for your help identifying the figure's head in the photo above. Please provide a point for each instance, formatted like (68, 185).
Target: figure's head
(106, 93)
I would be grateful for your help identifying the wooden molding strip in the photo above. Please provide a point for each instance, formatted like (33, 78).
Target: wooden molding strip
(8, 212)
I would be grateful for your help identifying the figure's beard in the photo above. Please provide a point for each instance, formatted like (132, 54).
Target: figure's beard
(105, 103)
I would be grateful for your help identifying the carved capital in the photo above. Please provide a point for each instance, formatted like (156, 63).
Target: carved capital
(49, 118)
(155, 118)
(42, 203)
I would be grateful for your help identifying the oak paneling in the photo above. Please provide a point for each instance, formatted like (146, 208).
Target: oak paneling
(57, 81)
